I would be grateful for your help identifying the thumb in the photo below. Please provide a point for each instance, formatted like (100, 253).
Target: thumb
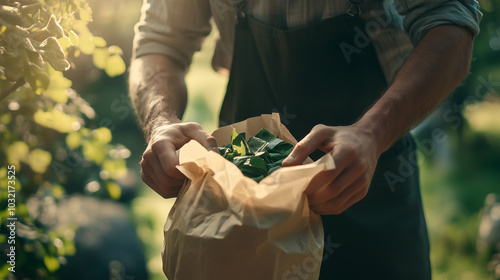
(304, 148)
(203, 138)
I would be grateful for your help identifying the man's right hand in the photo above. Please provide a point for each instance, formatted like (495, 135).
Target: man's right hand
(160, 159)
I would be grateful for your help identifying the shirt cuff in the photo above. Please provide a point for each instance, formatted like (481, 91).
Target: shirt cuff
(153, 47)
(450, 13)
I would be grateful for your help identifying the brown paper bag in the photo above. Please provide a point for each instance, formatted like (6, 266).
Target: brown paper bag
(225, 226)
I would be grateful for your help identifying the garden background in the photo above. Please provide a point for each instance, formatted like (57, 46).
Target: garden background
(86, 199)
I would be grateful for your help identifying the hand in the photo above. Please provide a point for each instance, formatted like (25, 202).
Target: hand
(355, 154)
(160, 159)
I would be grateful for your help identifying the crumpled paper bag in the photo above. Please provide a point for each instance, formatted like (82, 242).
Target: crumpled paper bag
(224, 225)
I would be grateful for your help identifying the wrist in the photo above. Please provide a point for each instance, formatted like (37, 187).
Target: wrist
(151, 128)
(374, 134)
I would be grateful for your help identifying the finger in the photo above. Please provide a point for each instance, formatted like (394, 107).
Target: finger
(165, 190)
(337, 205)
(164, 155)
(165, 164)
(196, 132)
(342, 159)
(350, 202)
(337, 186)
(324, 178)
(150, 181)
(306, 146)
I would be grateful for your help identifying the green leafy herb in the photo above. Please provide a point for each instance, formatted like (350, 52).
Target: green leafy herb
(259, 157)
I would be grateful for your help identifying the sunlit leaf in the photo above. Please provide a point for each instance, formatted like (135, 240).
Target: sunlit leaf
(56, 120)
(39, 159)
(51, 263)
(99, 42)
(115, 50)
(73, 38)
(5, 118)
(69, 247)
(17, 152)
(102, 135)
(86, 43)
(115, 66)
(73, 140)
(53, 54)
(93, 150)
(54, 27)
(100, 57)
(116, 168)
(64, 42)
(237, 141)
(57, 191)
(36, 77)
(85, 14)
(114, 190)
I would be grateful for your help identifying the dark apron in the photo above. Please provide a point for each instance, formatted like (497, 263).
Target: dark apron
(303, 74)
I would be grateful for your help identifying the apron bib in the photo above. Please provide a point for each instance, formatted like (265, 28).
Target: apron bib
(304, 74)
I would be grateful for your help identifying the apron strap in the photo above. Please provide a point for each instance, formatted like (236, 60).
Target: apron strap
(241, 10)
(354, 9)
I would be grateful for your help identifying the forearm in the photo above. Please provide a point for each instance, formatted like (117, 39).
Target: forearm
(158, 91)
(437, 65)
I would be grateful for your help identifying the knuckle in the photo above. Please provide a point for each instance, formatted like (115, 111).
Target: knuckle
(319, 127)
(361, 166)
(146, 157)
(353, 153)
(363, 181)
(158, 145)
(189, 126)
(300, 147)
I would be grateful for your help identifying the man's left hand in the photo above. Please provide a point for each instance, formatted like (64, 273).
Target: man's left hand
(355, 154)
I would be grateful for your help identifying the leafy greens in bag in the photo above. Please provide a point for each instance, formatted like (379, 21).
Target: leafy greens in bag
(259, 157)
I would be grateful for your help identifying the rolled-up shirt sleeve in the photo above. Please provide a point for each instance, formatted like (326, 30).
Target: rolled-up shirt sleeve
(175, 28)
(422, 15)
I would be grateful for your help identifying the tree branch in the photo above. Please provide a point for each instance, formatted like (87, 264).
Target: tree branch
(19, 83)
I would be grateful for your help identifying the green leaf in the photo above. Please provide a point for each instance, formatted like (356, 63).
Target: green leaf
(238, 143)
(99, 42)
(54, 27)
(86, 43)
(100, 58)
(115, 66)
(257, 145)
(39, 160)
(262, 155)
(115, 50)
(36, 77)
(85, 14)
(51, 263)
(73, 38)
(73, 140)
(102, 135)
(52, 52)
(114, 190)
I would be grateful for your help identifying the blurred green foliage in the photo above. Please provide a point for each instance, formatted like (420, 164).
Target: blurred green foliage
(44, 136)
